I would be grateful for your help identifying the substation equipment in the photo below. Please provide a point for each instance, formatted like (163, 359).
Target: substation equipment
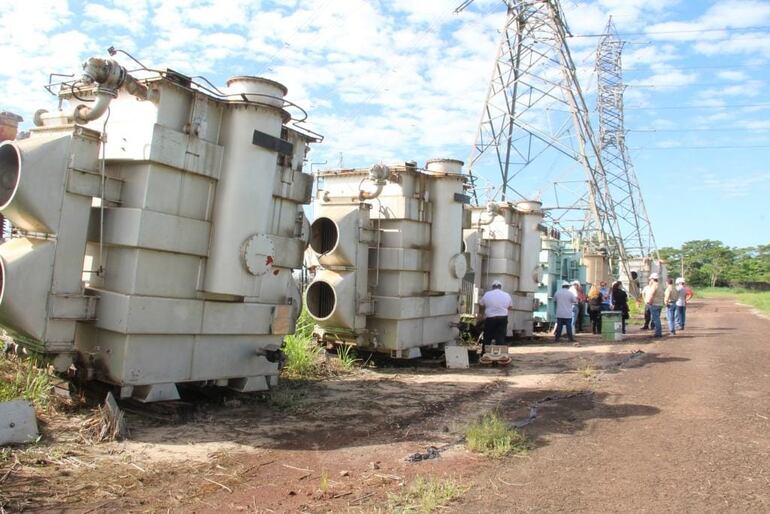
(157, 224)
(503, 244)
(389, 242)
(560, 260)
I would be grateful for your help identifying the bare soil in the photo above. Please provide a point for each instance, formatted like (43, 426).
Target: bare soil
(674, 424)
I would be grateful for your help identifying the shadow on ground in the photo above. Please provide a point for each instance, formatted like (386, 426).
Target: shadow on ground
(385, 406)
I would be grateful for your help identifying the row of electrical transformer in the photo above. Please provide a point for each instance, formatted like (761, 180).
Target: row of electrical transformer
(156, 245)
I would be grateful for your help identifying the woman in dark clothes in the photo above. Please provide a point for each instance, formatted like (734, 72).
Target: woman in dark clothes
(595, 309)
(620, 301)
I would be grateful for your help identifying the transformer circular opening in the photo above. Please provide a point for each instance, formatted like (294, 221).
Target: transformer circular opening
(10, 171)
(320, 300)
(324, 235)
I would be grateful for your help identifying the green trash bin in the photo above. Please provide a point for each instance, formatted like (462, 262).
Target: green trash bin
(612, 326)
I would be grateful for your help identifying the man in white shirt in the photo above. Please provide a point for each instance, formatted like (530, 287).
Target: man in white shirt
(653, 296)
(496, 304)
(564, 299)
(684, 294)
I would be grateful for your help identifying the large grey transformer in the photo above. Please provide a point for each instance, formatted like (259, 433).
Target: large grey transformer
(388, 242)
(503, 244)
(155, 245)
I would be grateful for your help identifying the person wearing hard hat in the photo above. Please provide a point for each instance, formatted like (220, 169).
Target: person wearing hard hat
(653, 297)
(565, 300)
(684, 294)
(669, 299)
(496, 304)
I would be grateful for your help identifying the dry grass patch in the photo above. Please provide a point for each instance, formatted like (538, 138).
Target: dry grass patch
(425, 495)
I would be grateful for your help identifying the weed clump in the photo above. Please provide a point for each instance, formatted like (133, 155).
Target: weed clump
(302, 354)
(346, 357)
(586, 370)
(24, 380)
(425, 495)
(493, 437)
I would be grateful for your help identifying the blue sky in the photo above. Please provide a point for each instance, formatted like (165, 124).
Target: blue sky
(404, 79)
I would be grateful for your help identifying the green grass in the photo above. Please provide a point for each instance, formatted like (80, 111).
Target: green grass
(302, 353)
(425, 495)
(23, 380)
(759, 300)
(346, 357)
(304, 356)
(635, 313)
(493, 437)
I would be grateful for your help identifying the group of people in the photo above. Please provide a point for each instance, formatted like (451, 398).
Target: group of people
(571, 302)
(673, 297)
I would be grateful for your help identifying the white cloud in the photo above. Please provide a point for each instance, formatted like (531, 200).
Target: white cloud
(706, 31)
(719, 96)
(37, 41)
(737, 187)
(748, 43)
(128, 16)
(736, 76)
(658, 56)
(758, 125)
(668, 80)
(737, 13)
(221, 13)
(434, 12)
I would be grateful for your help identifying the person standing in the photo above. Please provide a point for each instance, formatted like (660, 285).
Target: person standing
(635, 288)
(669, 299)
(642, 297)
(620, 302)
(595, 309)
(577, 310)
(496, 304)
(605, 292)
(654, 299)
(684, 294)
(565, 301)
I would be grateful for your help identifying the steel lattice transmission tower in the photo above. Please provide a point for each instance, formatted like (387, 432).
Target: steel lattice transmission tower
(534, 76)
(630, 213)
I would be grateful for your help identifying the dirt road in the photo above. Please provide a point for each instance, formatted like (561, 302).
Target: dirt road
(687, 431)
(674, 424)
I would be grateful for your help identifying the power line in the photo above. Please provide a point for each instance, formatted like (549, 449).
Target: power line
(718, 67)
(761, 37)
(690, 84)
(727, 129)
(709, 147)
(685, 107)
(666, 68)
(692, 31)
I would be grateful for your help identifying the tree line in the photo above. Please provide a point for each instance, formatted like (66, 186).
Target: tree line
(708, 263)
